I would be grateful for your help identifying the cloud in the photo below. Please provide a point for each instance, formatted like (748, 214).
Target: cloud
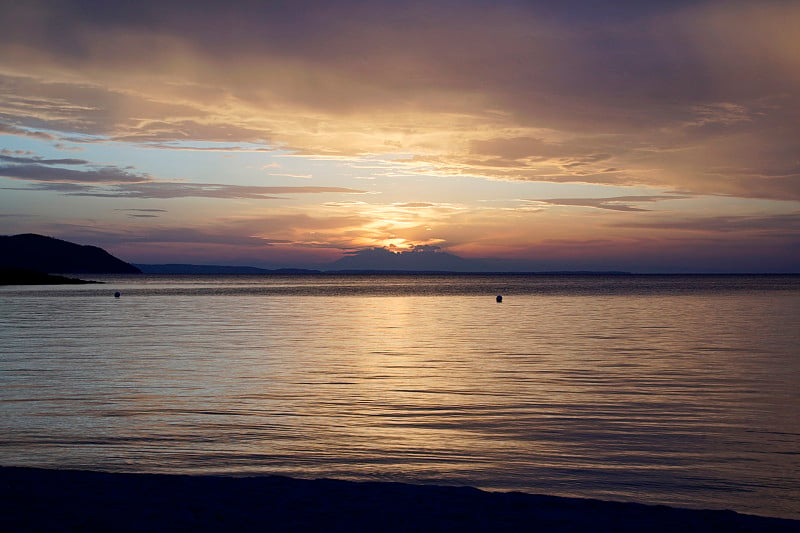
(188, 235)
(8, 129)
(303, 176)
(279, 236)
(209, 190)
(142, 213)
(701, 253)
(153, 189)
(115, 182)
(196, 147)
(67, 148)
(54, 186)
(669, 94)
(40, 160)
(785, 225)
(617, 203)
(29, 167)
(144, 210)
(42, 173)
(422, 248)
(416, 205)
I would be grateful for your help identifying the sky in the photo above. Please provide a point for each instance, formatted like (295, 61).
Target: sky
(659, 136)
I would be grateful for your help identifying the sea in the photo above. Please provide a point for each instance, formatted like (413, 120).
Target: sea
(678, 390)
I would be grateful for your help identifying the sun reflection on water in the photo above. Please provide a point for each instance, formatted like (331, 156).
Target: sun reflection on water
(663, 398)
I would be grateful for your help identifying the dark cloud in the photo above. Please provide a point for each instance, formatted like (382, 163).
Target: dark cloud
(67, 147)
(143, 213)
(204, 236)
(577, 150)
(159, 134)
(41, 173)
(190, 235)
(163, 190)
(41, 160)
(668, 92)
(34, 168)
(426, 248)
(617, 203)
(209, 190)
(526, 57)
(115, 182)
(245, 233)
(54, 186)
(86, 113)
(9, 129)
(143, 210)
(516, 148)
(787, 225)
(662, 253)
(195, 148)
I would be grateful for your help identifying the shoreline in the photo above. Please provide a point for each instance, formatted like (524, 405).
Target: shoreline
(35, 499)
(18, 276)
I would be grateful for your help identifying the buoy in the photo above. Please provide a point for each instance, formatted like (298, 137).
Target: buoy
(499, 299)
(116, 294)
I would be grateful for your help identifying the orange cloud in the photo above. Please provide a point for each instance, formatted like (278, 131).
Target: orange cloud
(700, 99)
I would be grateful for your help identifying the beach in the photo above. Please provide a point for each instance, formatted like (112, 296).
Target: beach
(71, 500)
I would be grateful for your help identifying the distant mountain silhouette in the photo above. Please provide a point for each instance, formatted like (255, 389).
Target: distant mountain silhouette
(180, 268)
(46, 254)
(420, 259)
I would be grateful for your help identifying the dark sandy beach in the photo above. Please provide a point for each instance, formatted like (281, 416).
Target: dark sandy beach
(60, 500)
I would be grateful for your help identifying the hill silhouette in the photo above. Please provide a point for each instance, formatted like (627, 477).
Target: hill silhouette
(18, 276)
(183, 268)
(30, 251)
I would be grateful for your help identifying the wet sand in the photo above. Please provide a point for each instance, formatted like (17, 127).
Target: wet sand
(62, 500)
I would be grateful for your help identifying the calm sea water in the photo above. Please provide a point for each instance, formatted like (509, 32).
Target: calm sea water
(676, 390)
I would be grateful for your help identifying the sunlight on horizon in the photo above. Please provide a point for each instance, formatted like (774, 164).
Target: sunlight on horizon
(509, 140)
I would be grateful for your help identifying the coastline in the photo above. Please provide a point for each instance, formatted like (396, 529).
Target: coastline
(19, 276)
(69, 500)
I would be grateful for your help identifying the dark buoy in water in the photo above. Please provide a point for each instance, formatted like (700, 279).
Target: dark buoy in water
(116, 294)
(499, 299)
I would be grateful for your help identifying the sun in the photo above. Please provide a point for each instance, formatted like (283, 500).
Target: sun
(397, 243)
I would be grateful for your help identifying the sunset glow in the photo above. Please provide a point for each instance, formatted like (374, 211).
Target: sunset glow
(641, 136)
